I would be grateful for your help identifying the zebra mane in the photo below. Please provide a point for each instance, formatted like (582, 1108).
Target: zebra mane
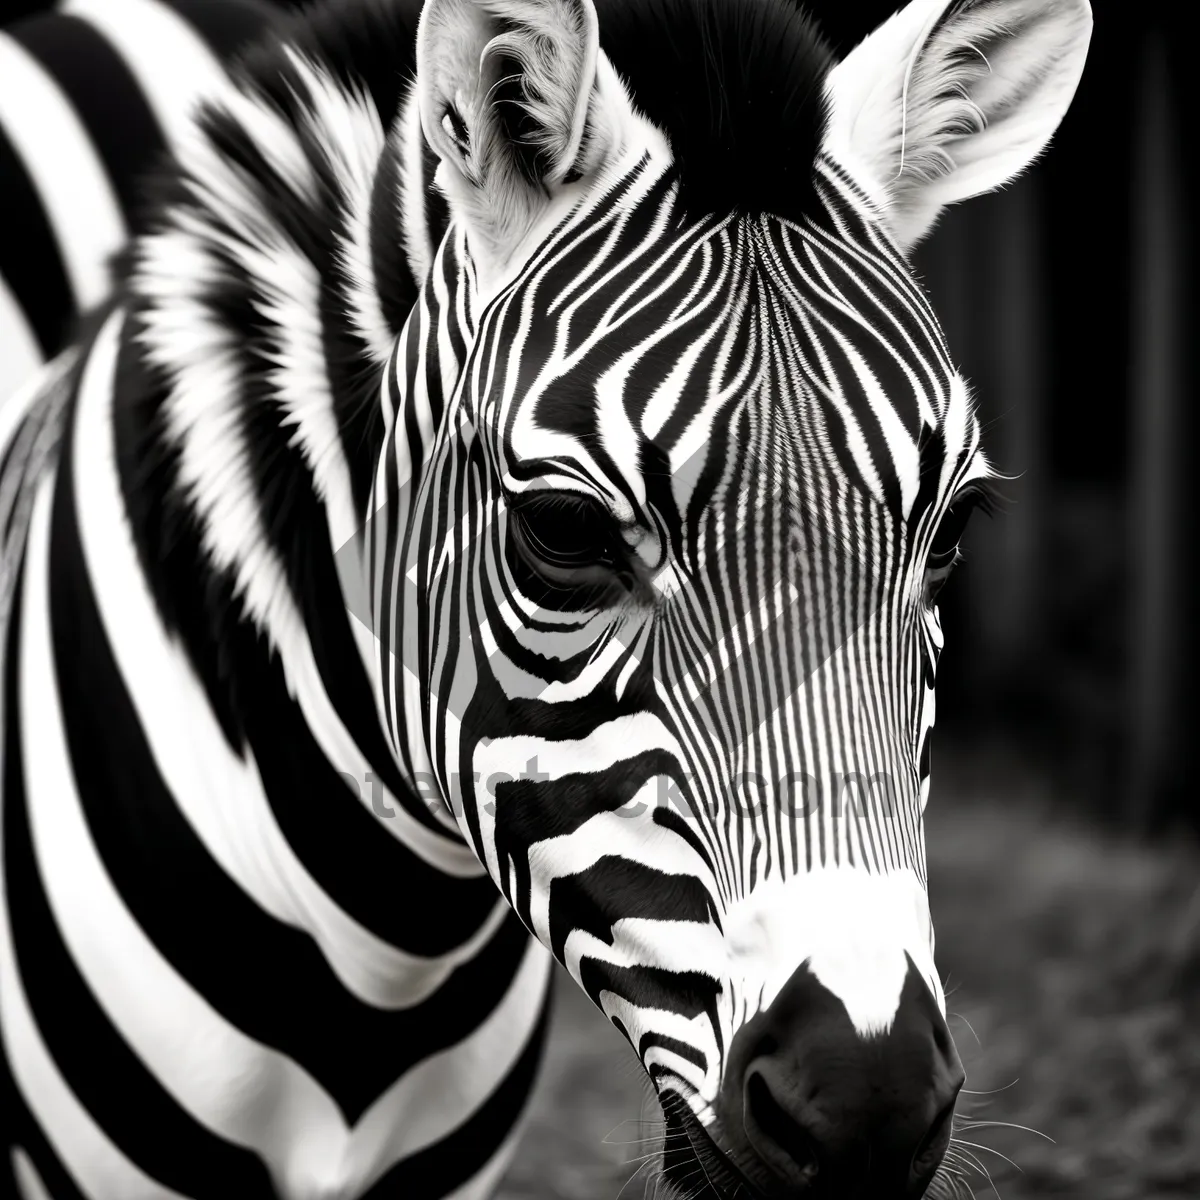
(738, 88)
(263, 297)
(286, 203)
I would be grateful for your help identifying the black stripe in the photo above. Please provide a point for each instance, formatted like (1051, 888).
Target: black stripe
(394, 283)
(363, 867)
(31, 264)
(437, 211)
(104, 95)
(112, 1083)
(688, 993)
(445, 1166)
(530, 811)
(14, 10)
(615, 889)
(674, 1046)
(18, 1127)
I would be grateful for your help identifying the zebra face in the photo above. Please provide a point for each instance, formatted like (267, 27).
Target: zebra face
(692, 673)
(695, 470)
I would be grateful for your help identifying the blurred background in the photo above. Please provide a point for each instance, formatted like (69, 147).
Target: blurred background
(1064, 868)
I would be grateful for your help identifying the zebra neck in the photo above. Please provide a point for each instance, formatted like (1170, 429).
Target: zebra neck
(284, 255)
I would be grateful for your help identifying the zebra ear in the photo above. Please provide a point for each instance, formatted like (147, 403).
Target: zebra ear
(951, 98)
(503, 88)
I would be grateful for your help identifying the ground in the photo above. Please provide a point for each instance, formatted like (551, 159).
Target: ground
(1072, 962)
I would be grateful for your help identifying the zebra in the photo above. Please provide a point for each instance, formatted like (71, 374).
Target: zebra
(503, 504)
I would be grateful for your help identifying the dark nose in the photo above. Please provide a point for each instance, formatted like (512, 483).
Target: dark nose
(812, 1108)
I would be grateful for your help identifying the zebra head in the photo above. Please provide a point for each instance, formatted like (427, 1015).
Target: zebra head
(690, 461)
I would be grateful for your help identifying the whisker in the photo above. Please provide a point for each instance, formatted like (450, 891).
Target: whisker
(969, 1026)
(609, 1140)
(989, 1149)
(993, 1091)
(674, 1184)
(959, 1159)
(631, 1178)
(641, 1159)
(971, 1123)
(981, 1167)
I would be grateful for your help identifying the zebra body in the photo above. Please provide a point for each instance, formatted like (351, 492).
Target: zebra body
(482, 511)
(91, 93)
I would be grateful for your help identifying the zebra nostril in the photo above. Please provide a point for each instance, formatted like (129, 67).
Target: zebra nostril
(934, 1144)
(776, 1137)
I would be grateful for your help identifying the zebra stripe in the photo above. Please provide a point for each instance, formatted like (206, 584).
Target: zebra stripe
(306, 728)
(312, 900)
(91, 93)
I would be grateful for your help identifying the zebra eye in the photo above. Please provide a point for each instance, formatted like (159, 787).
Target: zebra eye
(567, 538)
(943, 551)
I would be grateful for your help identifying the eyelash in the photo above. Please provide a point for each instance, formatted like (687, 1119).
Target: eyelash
(944, 553)
(570, 542)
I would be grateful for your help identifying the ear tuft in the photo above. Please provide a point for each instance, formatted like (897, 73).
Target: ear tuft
(504, 88)
(950, 99)
(540, 94)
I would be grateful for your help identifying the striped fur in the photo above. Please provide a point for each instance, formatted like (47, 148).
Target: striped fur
(379, 591)
(91, 92)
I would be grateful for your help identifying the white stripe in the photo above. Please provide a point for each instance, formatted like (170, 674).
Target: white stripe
(349, 132)
(17, 404)
(414, 222)
(827, 385)
(273, 137)
(66, 171)
(29, 1182)
(290, 299)
(170, 62)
